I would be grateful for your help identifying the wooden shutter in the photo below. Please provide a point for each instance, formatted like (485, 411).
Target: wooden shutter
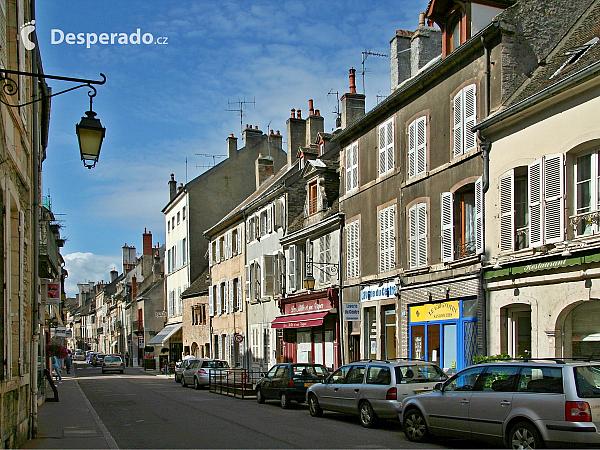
(457, 125)
(211, 305)
(534, 176)
(292, 268)
(422, 234)
(470, 117)
(240, 301)
(507, 211)
(447, 215)
(553, 199)
(247, 283)
(349, 168)
(232, 296)
(421, 145)
(479, 217)
(210, 252)
(218, 308)
(382, 149)
(269, 275)
(412, 147)
(277, 214)
(389, 144)
(382, 240)
(412, 236)
(355, 165)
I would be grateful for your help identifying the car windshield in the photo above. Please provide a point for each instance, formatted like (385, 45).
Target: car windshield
(310, 371)
(109, 359)
(587, 381)
(216, 364)
(419, 374)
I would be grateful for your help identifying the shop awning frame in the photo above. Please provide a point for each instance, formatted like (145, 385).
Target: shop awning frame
(164, 334)
(313, 319)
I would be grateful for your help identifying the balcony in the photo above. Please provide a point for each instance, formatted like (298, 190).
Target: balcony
(49, 259)
(465, 250)
(585, 222)
(138, 326)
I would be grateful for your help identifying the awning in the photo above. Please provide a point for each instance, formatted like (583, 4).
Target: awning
(300, 320)
(165, 334)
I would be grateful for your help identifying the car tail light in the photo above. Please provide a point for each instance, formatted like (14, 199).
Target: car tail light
(291, 383)
(391, 394)
(578, 412)
(103, 364)
(201, 371)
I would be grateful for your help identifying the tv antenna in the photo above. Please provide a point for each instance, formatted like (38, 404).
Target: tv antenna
(240, 109)
(365, 55)
(208, 155)
(380, 97)
(338, 116)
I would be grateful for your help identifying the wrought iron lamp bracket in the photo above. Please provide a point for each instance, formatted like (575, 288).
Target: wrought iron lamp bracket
(327, 268)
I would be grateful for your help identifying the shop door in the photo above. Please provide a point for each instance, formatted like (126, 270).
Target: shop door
(370, 333)
(390, 334)
(318, 338)
(519, 325)
(329, 348)
(433, 343)
(417, 341)
(304, 353)
(450, 354)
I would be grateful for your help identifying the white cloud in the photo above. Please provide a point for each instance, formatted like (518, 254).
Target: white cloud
(83, 267)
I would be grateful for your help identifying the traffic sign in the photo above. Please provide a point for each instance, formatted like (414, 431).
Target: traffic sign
(238, 338)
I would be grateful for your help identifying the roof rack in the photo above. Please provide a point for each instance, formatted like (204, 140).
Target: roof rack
(556, 360)
(387, 360)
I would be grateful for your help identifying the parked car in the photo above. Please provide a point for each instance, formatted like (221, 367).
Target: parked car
(289, 381)
(372, 389)
(518, 403)
(79, 355)
(97, 359)
(198, 372)
(90, 356)
(180, 366)
(113, 363)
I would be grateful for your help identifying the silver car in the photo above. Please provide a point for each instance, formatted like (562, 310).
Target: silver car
(519, 403)
(200, 371)
(179, 369)
(372, 389)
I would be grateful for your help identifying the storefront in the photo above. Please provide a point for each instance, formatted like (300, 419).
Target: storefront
(378, 302)
(309, 328)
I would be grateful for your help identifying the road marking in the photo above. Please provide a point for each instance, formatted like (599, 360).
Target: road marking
(107, 436)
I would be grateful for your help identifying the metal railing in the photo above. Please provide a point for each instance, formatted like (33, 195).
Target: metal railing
(239, 383)
(465, 250)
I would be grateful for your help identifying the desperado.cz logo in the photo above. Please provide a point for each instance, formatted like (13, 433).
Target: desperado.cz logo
(25, 32)
(58, 37)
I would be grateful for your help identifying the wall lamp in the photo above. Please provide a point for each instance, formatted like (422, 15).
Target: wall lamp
(327, 268)
(90, 131)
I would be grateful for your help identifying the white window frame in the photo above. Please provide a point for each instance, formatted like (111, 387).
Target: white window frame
(594, 191)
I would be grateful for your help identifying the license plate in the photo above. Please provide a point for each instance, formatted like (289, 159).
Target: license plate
(421, 391)
(308, 384)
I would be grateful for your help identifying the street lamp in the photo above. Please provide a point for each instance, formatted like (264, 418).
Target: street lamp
(328, 268)
(90, 133)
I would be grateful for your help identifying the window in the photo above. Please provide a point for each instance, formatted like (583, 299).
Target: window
(356, 375)
(312, 198)
(462, 222)
(183, 213)
(386, 147)
(465, 115)
(251, 229)
(352, 249)
(221, 249)
(253, 281)
(184, 250)
(417, 147)
(499, 379)
(417, 235)
(292, 265)
(541, 379)
(352, 167)
(213, 252)
(587, 195)
(465, 381)
(178, 218)
(387, 239)
(173, 222)
(235, 241)
(339, 376)
(532, 205)
(168, 226)
(379, 375)
(324, 257)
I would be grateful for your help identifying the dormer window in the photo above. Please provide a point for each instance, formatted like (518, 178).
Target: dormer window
(312, 198)
(455, 33)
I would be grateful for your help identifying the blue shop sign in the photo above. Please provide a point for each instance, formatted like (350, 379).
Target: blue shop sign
(376, 292)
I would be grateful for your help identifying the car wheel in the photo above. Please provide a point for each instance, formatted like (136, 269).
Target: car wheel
(367, 415)
(183, 383)
(314, 408)
(176, 379)
(414, 426)
(122, 372)
(259, 396)
(196, 384)
(524, 436)
(285, 401)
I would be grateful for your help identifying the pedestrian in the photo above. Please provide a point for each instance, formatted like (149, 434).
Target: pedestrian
(56, 368)
(166, 367)
(68, 362)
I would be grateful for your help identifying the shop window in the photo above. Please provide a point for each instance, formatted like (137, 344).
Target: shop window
(581, 330)
(312, 198)
(370, 323)
(390, 332)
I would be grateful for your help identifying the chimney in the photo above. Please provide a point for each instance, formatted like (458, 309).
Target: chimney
(400, 65)
(296, 136)
(172, 187)
(250, 133)
(133, 287)
(314, 124)
(231, 146)
(113, 275)
(425, 45)
(128, 258)
(264, 169)
(275, 142)
(147, 242)
(353, 104)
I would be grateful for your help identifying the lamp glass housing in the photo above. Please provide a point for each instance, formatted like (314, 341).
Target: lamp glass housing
(90, 133)
(309, 282)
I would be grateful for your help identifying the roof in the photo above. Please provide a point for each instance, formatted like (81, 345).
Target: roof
(198, 286)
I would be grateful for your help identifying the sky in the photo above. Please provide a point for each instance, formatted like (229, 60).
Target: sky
(167, 102)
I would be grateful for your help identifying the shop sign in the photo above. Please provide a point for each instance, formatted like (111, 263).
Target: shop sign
(51, 293)
(161, 314)
(435, 311)
(60, 332)
(376, 292)
(351, 312)
(321, 304)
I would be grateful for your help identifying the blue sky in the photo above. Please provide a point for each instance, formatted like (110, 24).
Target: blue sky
(162, 104)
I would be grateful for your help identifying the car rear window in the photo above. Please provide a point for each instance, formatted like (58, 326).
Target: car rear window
(419, 374)
(112, 359)
(547, 380)
(309, 371)
(216, 364)
(587, 381)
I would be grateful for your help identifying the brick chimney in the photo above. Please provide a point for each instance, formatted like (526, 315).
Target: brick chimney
(133, 287)
(147, 242)
(314, 124)
(296, 136)
(353, 104)
(172, 187)
(231, 146)
(264, 169)
(251, 133)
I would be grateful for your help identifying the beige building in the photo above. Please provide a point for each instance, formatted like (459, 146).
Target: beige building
(196, 322)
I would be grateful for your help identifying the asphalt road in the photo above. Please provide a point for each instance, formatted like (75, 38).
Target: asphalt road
(145, 411)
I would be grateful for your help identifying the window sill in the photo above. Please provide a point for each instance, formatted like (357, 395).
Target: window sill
(417, 271)
(463, 261)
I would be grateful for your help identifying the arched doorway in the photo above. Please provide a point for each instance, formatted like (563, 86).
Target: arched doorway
(194, 349)
(580, 330)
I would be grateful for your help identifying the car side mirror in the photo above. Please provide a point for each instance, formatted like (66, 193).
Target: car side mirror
(438, 387)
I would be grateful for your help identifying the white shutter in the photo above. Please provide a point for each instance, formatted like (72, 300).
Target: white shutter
(241, 350)
(507, 211)
(269, 275)
(248, 231)
(258, 280)
(470, 117)
(231, 296)
(392, 236)
(211, 305)
(534, 175)
(355, 165)
(225, 300)
(3, 53)
(239, 240)
(282, 272)
(421, 147)
(412, 236)
(227, 348)
(553, 199)
(210, 253)
(382, 149)
(218, 308)
(277, 215)
(412, 147)
(447, 214)
(479, 217)
(229, 241)
(292, 268)
(240, 301)
(218, 248)
(247, 283)
(269, 219)
(422, 234)
(389, 144)
(348, 168)
(356, 245)
(457, 125)
(276, 278)
(383, 244)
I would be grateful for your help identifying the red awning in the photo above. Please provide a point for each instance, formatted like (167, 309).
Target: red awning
(300, 320)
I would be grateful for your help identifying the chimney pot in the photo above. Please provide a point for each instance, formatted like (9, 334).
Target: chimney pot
(278, 134)
(272, 132)
(352, 78)
(172, 187)
(230, 134)
(299, 111)
(246, 125)
(311, 109)
(293, 116)
(317, 112)
(256, 127)
(422, 19)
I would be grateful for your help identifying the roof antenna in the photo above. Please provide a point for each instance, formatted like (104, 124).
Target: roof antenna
(240, 109)
(365, 55)
(338, 116)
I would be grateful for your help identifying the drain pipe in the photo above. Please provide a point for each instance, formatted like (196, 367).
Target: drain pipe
(484, 144)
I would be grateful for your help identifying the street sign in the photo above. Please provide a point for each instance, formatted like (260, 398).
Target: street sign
(238, 338)
(161, 314)
(140, 342)
(351, 311)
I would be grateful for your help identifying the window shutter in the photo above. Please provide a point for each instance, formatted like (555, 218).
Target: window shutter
(258, 280)
(447, 204)
(392, 237)
(348, 168)
(269, 275)
(211, 305)
(382, 240)
(276, 278)
(422, 236)
(382, 149)
(226, 246)
(277, 215)
(355, 165)
(457, 125)
(269, 219)
(218, 308)
(248, 231)
(241, 351)
(412, 146)
(231, 296)
(479, 218)
(356, 245)
(230, 242)
(240, 301)
(257, 226)
(389, 144)
(470, 119)
(247, 283)
(218, 257)
(421, 147)
(292, 268)
(210, 253)
(412, 236)
(507, 211)
(553, 199)
(282, 273)
(239, 240)
(534, 175)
